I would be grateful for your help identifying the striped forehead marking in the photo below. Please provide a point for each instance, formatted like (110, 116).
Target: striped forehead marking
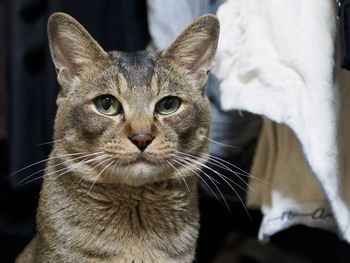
(137, 68)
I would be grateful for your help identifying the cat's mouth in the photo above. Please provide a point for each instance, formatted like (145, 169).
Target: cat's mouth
(140, 170)
(141, 159)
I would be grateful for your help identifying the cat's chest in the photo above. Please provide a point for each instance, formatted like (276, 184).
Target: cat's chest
(137, 214)
(119, 225)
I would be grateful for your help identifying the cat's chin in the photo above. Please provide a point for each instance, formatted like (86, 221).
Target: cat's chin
(139, 173)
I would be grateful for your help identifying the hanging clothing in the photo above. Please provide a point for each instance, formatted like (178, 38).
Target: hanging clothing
(167, 18)
(285, 188)
(276, 58)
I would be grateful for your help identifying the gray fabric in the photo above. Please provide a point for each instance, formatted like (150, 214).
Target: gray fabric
(167, 18)
(232, 132)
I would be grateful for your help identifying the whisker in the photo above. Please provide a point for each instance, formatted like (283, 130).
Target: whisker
(208, 160)
(64, 162)
(220, 143)
(70, 168)
(99, 161)
(209, 177)
(178, 175)
(51, 142)
(50, 158)
(199, 176)
(223, 166)
(244, 173)
(233, 189)
(94, 160)
(65, 169)
(95, 166)
(222, 160)
(115, 166)
(222, 176)
(99, 174)
(182, 159)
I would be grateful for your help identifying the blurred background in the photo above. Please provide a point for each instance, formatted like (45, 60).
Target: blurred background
(28, 90)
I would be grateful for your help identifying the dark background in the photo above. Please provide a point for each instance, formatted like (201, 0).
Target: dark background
(27, 107)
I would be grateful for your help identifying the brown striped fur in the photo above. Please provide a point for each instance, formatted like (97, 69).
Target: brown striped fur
(132, 211)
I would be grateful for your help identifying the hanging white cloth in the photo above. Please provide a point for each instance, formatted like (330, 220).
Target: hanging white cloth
(276, 58)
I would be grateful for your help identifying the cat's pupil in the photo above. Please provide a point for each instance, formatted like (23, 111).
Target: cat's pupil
(168, 103)
(106, 103)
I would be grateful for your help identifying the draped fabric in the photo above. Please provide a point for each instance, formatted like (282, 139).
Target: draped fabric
(284, 66)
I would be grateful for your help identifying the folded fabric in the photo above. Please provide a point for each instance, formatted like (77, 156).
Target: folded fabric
(286, 190)
(276, 58)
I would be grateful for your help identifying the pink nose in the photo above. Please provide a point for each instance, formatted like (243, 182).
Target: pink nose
(141, 139)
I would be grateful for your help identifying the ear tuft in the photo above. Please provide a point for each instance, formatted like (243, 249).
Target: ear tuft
(71, 46)
(194, 49)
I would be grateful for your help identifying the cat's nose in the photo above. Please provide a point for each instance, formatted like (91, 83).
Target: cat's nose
(141, 139)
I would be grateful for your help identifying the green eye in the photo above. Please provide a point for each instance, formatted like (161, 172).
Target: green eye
(168, 105)
(108, 105)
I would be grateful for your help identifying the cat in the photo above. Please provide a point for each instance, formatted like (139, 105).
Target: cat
(115, 188)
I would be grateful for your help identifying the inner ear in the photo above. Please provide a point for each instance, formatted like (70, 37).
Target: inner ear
(72, 47)
(194, 49)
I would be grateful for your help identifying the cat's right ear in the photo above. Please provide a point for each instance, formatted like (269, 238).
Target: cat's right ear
(194, 49)
(72, 48)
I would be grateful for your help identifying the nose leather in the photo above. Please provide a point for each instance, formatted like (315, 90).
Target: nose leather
(141, 139)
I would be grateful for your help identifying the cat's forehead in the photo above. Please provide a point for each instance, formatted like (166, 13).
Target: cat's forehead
(137, 68)
(142, 74)
(138, 72)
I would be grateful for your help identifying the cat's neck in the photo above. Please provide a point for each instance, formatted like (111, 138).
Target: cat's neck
(75, 188)
(102, 217)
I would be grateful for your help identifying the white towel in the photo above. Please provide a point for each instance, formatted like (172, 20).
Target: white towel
(276, 58)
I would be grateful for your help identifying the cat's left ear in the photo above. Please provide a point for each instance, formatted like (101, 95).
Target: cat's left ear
(72, 48)
(194, 49)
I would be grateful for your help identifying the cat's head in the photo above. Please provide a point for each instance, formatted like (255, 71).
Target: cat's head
(131, 114)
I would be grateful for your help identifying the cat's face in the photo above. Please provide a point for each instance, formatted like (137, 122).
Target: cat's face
(136, 111)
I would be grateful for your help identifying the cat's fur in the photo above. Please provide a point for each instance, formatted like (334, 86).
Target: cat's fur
(133, 210)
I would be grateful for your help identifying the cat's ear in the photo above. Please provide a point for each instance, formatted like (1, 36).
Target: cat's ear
(72, 47)
(194, 49)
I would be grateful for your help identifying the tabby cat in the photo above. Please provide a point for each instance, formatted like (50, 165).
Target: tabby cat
(115, 187)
